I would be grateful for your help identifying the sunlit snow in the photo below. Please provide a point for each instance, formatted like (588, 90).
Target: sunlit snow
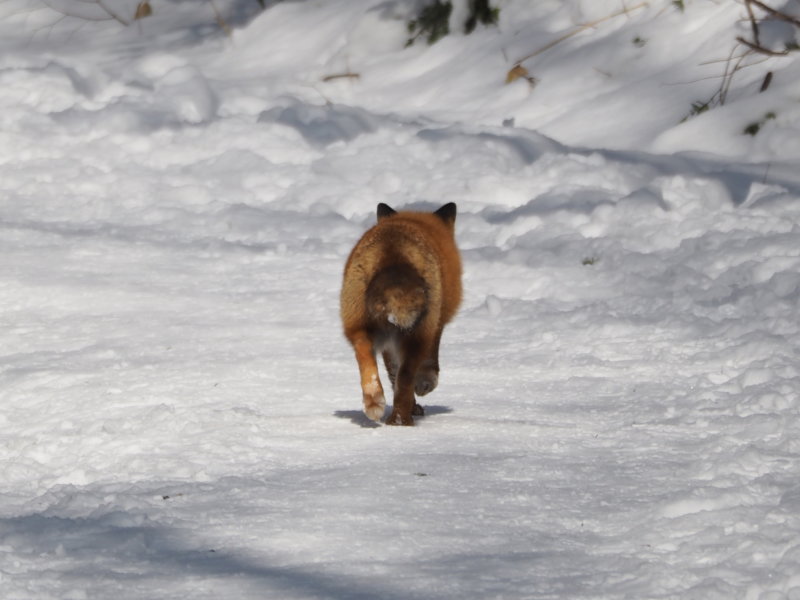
(618, 412)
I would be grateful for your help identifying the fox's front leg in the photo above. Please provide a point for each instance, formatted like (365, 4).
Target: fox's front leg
(371, 388)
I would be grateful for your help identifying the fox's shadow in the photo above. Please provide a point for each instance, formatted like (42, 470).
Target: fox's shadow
(358, 417)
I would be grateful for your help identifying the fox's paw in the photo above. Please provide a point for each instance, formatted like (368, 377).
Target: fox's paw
(396, 419)
(425, 381)
(418, 411)
(374, 406)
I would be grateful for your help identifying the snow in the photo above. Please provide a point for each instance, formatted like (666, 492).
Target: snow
(617, 415)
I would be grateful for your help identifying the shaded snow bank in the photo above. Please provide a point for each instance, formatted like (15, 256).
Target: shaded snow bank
(631, 81)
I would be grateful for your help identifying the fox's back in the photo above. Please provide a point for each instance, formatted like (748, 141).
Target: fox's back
(423, 241)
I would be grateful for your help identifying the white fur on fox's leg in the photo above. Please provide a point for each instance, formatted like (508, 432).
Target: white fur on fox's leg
(376, 408)
(374, 400)
(373, 387)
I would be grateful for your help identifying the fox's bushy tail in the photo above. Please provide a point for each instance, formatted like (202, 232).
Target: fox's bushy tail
(397, 295)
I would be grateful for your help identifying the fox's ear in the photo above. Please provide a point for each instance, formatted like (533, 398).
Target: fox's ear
(447, 213)
(384, 210)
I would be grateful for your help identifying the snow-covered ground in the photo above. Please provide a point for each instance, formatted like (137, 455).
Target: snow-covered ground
(618, 413)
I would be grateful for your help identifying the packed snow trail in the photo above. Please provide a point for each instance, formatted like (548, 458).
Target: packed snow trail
(617, 414)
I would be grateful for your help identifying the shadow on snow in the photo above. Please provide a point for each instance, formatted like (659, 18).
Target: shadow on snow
(107, 553)
(357, 417)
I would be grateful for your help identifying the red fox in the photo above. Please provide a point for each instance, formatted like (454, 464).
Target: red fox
(402, 285)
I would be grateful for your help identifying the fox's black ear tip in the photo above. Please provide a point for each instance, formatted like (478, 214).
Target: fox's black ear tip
(384, 210)
(447, 212)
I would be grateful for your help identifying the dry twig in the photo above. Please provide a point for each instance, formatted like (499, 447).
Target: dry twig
(347, 75)
(512, 76)
(760, 49)
(774, 12)
(220, 20)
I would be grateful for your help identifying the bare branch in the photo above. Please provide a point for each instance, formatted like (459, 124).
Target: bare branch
(223, 24)
(775, 13)
(579, 29)
(335, 76)
(760, 49)
(753, 22)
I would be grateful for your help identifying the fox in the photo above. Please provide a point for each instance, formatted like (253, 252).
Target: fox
(401, 286)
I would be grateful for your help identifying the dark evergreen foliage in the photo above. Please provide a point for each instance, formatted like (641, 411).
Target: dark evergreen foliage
(433, 21)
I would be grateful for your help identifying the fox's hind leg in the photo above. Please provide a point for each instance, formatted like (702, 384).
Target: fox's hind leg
(392, 362)
(371, 388)
(405, 404)
(427, 377)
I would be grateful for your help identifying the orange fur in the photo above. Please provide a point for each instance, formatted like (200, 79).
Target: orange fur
(402, 285)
